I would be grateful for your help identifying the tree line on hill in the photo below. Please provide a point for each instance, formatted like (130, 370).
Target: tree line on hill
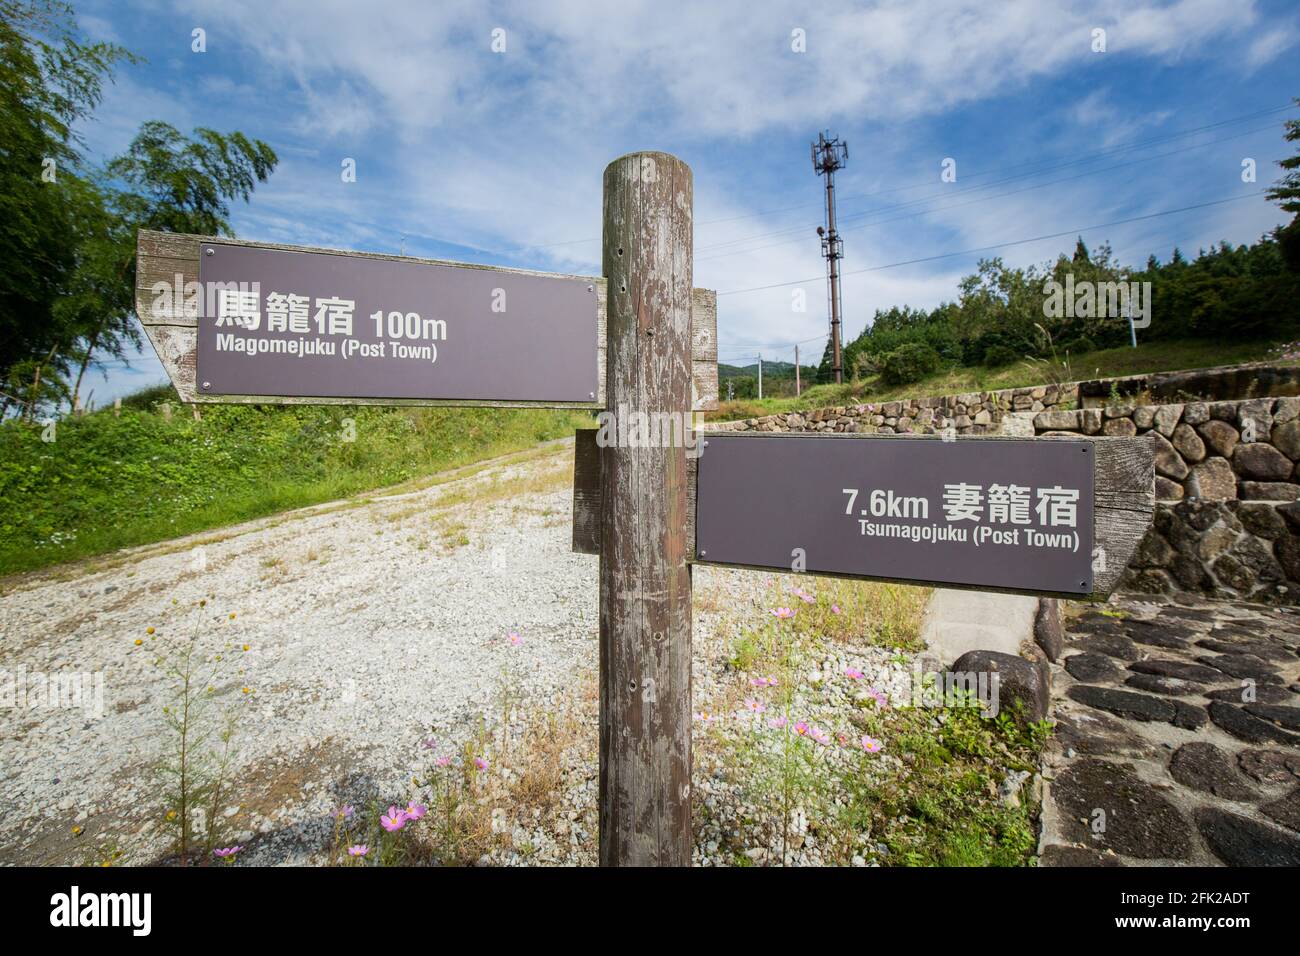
(68, 225)
(1004, 314)
(737, 382)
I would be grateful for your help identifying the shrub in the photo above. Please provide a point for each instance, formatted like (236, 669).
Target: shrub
(1080, 345)
(999, 355)
(909, 363)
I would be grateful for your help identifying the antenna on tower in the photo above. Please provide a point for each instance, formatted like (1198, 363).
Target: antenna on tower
(828, 155)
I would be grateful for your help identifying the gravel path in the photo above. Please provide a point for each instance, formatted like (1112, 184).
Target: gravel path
(368, 623)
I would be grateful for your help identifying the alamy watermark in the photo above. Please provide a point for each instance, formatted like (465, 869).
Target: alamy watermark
(622, 428)
(1098, 300)
(951, 689)
(32, 690)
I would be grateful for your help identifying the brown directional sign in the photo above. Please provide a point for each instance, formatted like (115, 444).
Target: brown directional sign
(307, 324)
(1036, 516)
(1007, 514)
(323, 326)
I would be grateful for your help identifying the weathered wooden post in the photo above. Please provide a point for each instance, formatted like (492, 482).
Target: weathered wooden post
(645, 581)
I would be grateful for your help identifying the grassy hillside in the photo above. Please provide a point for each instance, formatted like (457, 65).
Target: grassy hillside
(1150, 357)
(109, 482)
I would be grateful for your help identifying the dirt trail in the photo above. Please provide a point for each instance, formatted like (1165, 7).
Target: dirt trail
(368, 623)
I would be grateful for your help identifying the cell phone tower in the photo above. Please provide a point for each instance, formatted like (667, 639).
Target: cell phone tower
(829, 155)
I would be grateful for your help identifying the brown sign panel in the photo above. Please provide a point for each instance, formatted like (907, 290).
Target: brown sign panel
(983, 513)
(281, 323)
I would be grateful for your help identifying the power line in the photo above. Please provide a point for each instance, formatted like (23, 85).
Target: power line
(1003, 245)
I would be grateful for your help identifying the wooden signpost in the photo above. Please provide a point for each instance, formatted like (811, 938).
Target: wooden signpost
(248, 322)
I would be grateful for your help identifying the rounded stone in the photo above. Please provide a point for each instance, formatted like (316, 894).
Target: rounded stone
(1261, 462)
(1091, 668)
(1188, 443)
(1204, 767)
(1219, 436)
(1139, 821)
(1239, 841)
(1212, 480)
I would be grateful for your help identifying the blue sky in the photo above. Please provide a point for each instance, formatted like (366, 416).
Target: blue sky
(474, 155)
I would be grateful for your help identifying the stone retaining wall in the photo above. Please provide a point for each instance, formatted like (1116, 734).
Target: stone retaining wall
(1211, 451)
(1243, 550)
(994, 412)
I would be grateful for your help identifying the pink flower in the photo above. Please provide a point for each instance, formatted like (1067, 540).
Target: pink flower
(481, 763)
(705, 717)
(852, 673)
(443, 761)
(394, 820)
(763, 681)
(757, 706)
(515, 639)
(870, 744)
(359, 849)
(777, 723)
(804, 596)
(783, 613)
(878, 695)
(819, 735)
(801, 728)
(835, 609)
(415, 810)
(344, 812)
(229, 851)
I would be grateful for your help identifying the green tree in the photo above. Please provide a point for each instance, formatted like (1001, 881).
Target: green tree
(67, 226)
(49, 80)
(1286, 192)
(826, 367)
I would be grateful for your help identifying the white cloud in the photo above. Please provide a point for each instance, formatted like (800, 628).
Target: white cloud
(498, 152)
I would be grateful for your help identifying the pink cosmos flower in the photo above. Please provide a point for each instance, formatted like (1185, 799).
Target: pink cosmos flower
(783, 613)
(229, 851)
(819, 735)
(481, 763)
(835, 609)
(757, 706)
(852, 673)
(870, 744)
(344, 812)
(705, 717)
(443, 761)
(878, 695)
(515, 639)
(801, 728)
(415, 810)
(394, 820)
(359, 849)
(804, 596)
(763, 681)
(777, 723)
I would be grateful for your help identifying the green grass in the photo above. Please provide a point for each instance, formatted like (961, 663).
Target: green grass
(111, 482)
(1106, 363)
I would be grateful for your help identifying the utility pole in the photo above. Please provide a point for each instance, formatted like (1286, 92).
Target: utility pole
(760, 376)
(829, 155)
(798, 390)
